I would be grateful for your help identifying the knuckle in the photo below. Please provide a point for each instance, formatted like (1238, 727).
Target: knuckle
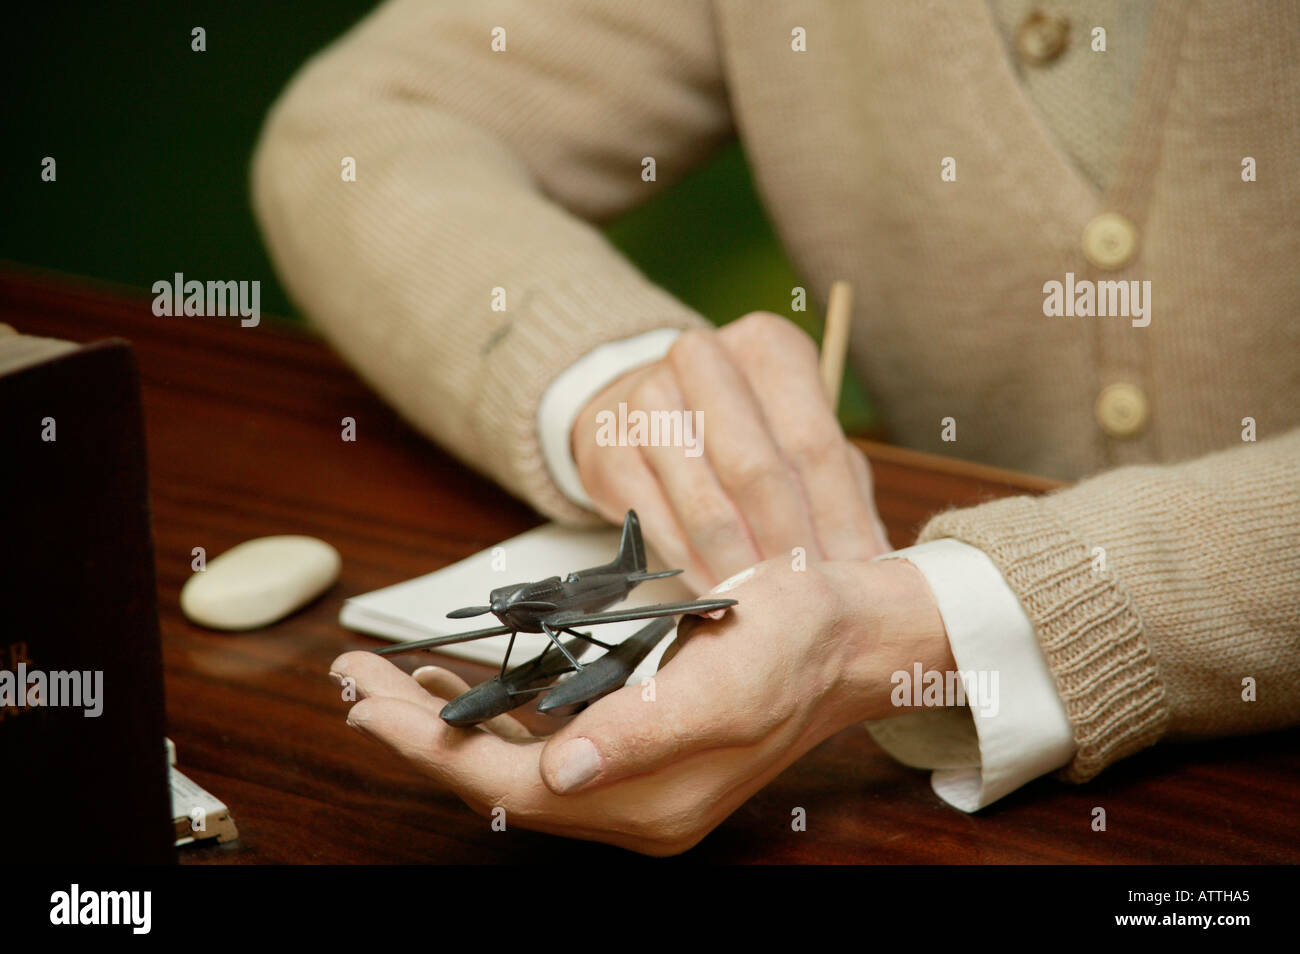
(817, 446)
(652, 393)
(751, 475)
(759, 323)
(797, 340)
(776, 332)
(689, 347)
(692, 339)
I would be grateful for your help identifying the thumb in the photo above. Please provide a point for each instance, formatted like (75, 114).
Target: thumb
(640, 728)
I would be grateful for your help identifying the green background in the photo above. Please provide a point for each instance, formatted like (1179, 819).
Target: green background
(152, 142)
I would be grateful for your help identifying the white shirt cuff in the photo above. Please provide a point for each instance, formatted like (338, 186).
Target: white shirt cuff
(569, 393)
(1020, 726)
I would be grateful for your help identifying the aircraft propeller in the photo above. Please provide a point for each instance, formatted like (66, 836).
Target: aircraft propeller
(465, 612)
(537, 606)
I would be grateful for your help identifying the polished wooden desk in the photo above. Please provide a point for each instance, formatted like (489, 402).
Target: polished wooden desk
(243, 428)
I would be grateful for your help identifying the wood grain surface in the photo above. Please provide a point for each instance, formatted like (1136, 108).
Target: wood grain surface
(244, 441)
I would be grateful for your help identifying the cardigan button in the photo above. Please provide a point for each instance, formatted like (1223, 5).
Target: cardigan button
(1110, 241)
(1122, 410)
(1041, 37)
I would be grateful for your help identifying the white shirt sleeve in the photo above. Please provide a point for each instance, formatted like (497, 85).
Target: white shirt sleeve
(569, 393)
(1020, 727)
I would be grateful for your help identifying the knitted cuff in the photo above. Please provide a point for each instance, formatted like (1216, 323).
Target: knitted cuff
(1089, 630)
(559, 325)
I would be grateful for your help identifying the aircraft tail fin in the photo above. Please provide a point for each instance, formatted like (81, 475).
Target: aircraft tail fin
(631, 549)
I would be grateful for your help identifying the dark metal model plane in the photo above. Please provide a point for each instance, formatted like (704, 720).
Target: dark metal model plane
(552, 607)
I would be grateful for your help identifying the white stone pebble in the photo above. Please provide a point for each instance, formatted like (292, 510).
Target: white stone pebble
(260, 581)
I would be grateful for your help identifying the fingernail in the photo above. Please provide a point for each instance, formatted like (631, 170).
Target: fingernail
(579, 763)
(423, 670)
(337, 678)
(358, 722)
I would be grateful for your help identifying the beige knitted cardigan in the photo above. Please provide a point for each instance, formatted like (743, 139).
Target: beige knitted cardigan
(479, 170)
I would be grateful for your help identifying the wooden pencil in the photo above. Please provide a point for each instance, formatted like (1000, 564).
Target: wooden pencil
(835, 339)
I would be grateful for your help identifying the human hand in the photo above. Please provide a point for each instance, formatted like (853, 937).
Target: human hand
(777, 471)
(803, 655)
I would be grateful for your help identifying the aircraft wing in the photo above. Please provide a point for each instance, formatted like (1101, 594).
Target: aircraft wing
(578, 618)
(569, 619)
(442, 640)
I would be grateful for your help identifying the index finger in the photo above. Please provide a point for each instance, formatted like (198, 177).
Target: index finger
(804, 426)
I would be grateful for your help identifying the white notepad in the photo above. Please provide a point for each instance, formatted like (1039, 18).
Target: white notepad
(418, 608)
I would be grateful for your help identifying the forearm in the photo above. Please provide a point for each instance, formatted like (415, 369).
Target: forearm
(1154, 591)
(459, 273)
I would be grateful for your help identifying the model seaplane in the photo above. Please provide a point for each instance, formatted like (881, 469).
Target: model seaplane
(557, 606)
